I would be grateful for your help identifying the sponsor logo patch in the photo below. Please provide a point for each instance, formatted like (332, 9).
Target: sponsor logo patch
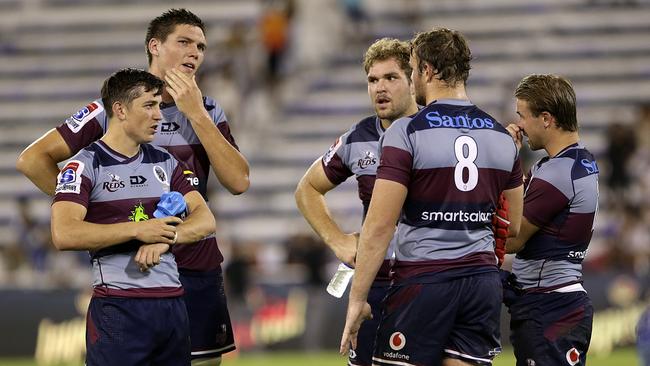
(85, 114)
(138, 213)
(332, 150)
(189, 175)
(69, 179)
(397, 341)
(169, 127)
(137, 180)
(572, 356)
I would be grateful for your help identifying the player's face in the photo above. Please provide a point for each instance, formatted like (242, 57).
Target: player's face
(418, 81)
(389, 90)
(183, 49)
(532, 127)
(143, 116)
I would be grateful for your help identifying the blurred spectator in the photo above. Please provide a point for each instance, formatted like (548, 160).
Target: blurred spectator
(305, 249)
(239, 268)
(34, 237)
(274, 28)
(621, 145)
(357, 20)
(643, 338)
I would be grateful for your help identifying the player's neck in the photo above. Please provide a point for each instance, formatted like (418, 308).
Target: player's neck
(441, 91)
(413, 108)
(560, 142)
(117, 140)
(154, 70)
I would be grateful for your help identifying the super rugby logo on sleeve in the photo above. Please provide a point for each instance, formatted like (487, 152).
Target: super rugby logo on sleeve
(85, 114)
(69, 179)
(330, 153)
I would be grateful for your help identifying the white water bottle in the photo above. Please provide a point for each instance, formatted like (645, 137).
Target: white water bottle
(340, 280)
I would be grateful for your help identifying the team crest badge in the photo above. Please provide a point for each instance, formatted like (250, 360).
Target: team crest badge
(160, 174)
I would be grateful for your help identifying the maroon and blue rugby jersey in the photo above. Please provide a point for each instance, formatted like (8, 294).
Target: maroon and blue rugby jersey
(114, 189)
(455, 160)
(356, 153)
(175, 134)
(561, 198)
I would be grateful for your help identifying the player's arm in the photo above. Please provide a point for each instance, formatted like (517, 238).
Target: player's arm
(71, 232)
(527, 230)
(38, 161)
(387, 200)
(199, 223)
(310, 199)
(515, 198)
(229, 165)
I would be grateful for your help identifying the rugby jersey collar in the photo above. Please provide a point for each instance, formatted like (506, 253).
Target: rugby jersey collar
(118, 156)
(572, 146)
(378, 126)
(461, 102)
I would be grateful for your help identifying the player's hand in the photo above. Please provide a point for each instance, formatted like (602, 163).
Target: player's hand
(345, 249)
(500, 225)
(357, 313)
(161, 230)
(186, 93)
(517, 134)
(149, 255)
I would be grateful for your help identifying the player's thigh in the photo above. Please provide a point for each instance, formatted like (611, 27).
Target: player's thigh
(122, 331)
(475, 336)
(211, 331)
(174, 346)
(557, 329)
(415, 323)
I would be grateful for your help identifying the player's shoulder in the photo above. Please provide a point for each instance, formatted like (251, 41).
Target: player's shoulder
(155, 154)
(211, 105)
(366, 129)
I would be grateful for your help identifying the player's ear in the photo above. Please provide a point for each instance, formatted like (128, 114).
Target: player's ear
(547, 119)
(119, 110)
(153, 46)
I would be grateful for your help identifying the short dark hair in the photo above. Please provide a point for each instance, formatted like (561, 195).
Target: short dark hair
(165, 24)
(126, 85)
(387, 48)
(447, 52)
(553, 94)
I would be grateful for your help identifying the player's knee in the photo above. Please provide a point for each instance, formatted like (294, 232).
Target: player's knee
(213, 361)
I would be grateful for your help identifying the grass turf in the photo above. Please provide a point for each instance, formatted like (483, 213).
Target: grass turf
(621, 357)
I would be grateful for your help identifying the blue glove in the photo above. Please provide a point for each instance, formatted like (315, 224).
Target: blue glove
(171, 204)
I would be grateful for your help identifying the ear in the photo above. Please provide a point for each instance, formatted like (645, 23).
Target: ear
(119, 110)
(154, 46)
(547, 119)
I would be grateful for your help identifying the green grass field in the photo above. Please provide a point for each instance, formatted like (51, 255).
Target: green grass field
(622, 357)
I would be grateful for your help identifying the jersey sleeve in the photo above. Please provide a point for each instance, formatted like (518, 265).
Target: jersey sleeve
(543, 202)
(76, 180)
(334, 162)
(219, 118)
(516, 175)
(83, 127)
(180, 173)
(396, 162)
